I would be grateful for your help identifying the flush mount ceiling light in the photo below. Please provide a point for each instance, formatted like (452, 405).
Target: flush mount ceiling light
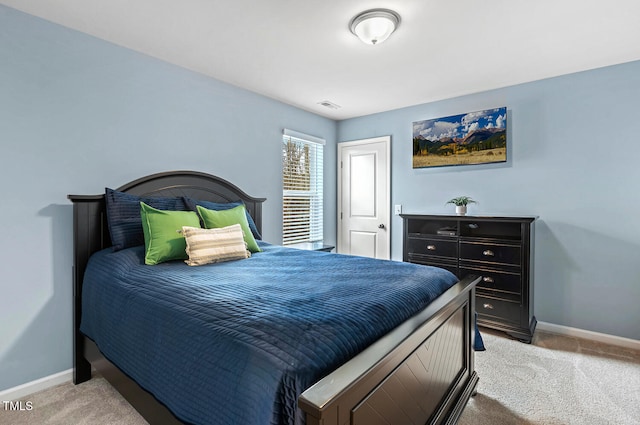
(375, 26)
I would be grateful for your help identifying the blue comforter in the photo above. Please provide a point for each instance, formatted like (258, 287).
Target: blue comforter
(238, 342)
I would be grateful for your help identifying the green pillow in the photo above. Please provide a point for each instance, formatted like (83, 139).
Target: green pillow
(162, 242)
(214, 219)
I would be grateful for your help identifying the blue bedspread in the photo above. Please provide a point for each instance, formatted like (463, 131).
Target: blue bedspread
(238, 342)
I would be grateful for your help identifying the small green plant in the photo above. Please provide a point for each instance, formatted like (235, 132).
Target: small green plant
(461, 201)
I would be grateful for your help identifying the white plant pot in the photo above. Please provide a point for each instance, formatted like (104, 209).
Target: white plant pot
(461, 209)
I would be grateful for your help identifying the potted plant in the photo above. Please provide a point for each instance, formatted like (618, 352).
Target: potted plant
(461, 204)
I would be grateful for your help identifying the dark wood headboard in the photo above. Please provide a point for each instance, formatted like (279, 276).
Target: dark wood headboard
(91, 233)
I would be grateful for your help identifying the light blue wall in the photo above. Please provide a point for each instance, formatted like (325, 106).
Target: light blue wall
(574, 155)
(78, 114)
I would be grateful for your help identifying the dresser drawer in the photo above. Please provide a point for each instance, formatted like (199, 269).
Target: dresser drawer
(490, 253)
(447, 264)
(500, 310)
(500, 282)
(433, 247)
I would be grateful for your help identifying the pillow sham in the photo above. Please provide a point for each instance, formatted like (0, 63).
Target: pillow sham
(206, 246)
(123, 216)
(215, 219)
(162, 238)
(191, 204)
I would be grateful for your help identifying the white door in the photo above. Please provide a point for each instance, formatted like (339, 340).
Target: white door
(364, 197)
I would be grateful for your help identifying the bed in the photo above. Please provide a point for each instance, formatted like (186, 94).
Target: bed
(419, 369)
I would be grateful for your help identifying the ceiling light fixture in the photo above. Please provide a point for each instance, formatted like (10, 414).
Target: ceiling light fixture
(375, 26)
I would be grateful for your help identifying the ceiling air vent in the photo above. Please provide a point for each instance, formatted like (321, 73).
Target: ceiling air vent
(329, 105)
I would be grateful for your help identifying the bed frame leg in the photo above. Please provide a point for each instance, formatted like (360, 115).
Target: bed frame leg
(82, 374)
(81, 367)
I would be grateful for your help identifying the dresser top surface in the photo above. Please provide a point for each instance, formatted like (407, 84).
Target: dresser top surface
(470, 217)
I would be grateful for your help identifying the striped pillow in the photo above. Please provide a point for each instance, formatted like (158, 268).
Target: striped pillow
(205, 246)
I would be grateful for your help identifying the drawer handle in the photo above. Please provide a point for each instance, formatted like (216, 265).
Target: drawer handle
(488, 306)
(488, 253)
(487, 279)
(431, 247)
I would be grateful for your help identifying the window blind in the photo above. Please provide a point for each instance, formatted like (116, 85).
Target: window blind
(302, 183)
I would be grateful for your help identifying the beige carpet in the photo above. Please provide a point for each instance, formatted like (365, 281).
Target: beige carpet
(554, 381)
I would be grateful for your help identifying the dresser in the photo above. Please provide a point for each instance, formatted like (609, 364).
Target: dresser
(500, 249)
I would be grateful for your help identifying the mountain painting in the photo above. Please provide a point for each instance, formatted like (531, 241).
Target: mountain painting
(473, 138)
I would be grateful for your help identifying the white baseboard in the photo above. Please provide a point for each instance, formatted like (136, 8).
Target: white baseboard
(24, 390)
(593, 336)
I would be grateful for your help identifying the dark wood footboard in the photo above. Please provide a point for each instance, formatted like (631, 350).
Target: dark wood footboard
(421, 373)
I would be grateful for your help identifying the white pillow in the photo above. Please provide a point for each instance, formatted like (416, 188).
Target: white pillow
(205, 246)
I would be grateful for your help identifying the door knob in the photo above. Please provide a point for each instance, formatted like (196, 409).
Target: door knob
(380, 226)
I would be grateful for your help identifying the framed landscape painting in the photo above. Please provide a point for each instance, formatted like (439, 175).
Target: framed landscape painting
(473, 138)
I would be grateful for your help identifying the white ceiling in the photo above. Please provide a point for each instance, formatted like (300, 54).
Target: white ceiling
(301, 52)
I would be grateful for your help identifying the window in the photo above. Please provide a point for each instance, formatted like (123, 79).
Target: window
(302, 212)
